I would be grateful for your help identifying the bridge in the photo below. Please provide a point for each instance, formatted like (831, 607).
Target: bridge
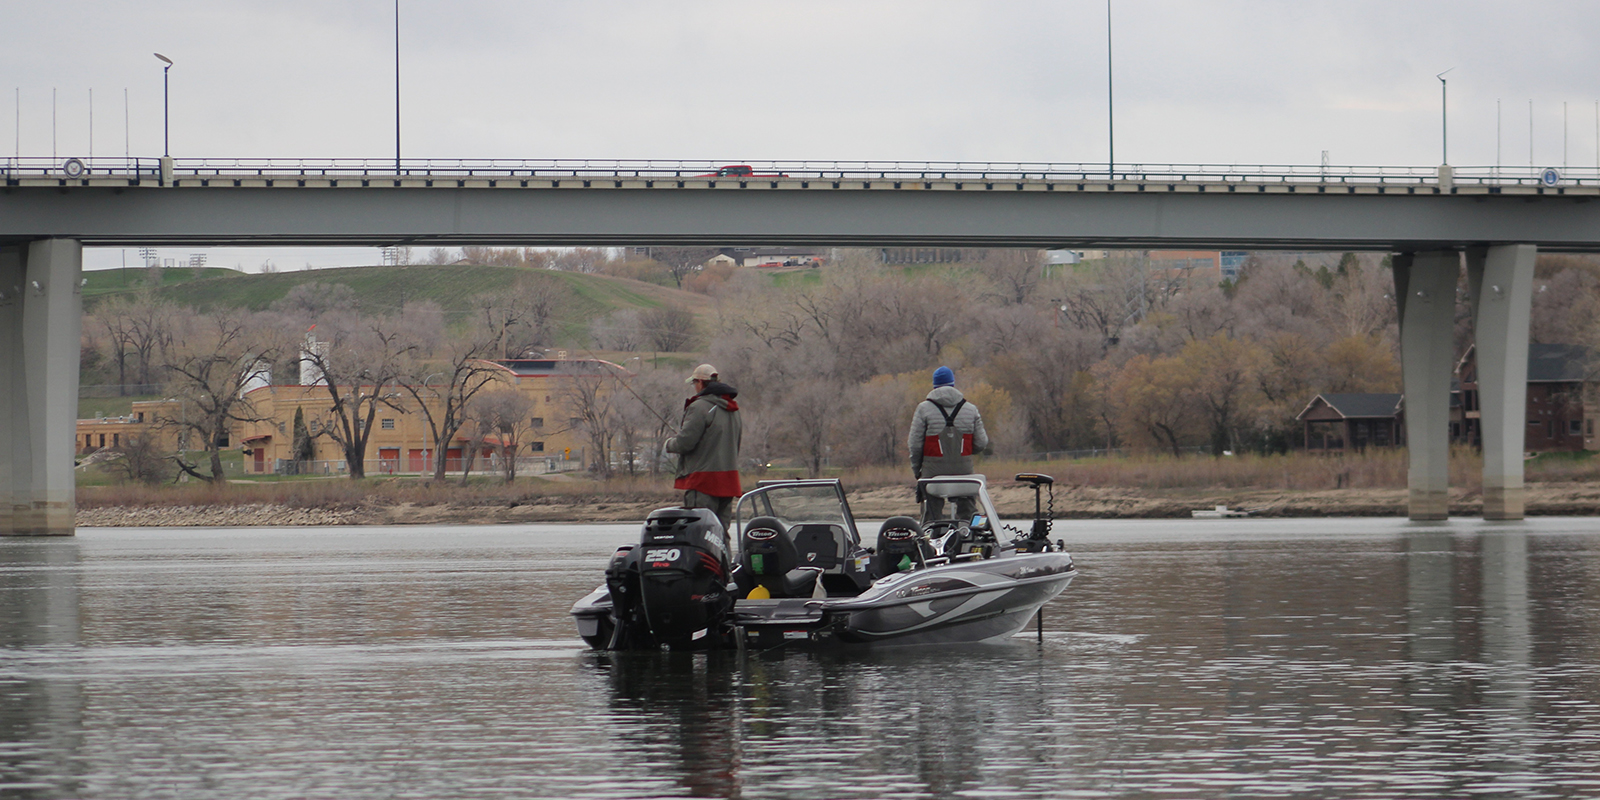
(1433, 219)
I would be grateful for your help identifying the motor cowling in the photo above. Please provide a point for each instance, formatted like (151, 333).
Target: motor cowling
(680, 573)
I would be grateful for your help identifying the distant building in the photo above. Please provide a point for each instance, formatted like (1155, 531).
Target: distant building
(1563, 399)
(1353, 421)
(920, 255)
(551, 440)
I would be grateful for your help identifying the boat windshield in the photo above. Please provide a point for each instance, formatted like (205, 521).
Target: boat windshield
(796, 504)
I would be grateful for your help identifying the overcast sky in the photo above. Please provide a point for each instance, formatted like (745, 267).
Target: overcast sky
(1219, 82)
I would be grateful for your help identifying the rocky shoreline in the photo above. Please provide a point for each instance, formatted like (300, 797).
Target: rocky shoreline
(1015, 502)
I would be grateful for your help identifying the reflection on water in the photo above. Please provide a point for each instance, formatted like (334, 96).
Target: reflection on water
(1350, 658)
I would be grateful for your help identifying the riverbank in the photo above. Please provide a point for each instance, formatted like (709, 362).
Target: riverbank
(1013, 502)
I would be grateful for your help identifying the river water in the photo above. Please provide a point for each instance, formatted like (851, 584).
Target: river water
(1246, 658)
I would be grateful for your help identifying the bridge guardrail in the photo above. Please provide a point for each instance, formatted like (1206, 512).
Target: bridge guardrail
(15, 168)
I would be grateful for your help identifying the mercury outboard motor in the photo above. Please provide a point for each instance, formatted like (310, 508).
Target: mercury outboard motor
(671, 590)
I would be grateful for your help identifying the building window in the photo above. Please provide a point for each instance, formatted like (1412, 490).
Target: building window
(388, 424)
(537, 447)
(1575, 427)
(116, 440)
(537, 422)
(102, 440)
(1590, 424)
(282, 429)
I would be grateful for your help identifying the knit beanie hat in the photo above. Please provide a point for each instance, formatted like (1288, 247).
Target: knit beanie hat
(944, 377)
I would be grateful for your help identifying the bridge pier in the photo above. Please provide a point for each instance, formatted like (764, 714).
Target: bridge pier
(1425, 288)
(1501, 282)
(1500, 279)
(40, 325)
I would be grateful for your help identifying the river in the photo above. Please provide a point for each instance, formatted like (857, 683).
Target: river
(1247, 658)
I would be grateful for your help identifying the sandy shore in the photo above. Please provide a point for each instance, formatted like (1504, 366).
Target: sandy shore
(1013, 502)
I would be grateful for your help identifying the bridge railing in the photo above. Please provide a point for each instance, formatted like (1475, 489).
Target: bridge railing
(14, 168)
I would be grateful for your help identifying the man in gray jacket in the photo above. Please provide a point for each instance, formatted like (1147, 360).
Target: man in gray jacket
(946, 431)
(708, 445)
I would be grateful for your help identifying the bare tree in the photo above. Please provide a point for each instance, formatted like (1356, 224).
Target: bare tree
(620, 330)
(138, 329)
(681, 261)
(140, 458)
(521, 318)
(442, 387)
(806, 422)
(214, 357)
(310, 302)
(669, 328)
(501, 415)
(360, 360)
(588, 393)
(649, 405)
(1015, 273)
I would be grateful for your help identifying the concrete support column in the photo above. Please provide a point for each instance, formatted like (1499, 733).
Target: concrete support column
(1501, 282)
(1425, 288)
(40, 325)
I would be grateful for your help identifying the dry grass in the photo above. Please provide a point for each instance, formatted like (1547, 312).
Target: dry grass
(1374, 469)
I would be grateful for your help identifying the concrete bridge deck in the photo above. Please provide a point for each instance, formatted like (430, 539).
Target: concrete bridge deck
(843, 204)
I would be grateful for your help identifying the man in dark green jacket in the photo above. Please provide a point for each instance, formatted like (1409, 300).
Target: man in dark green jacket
(708, 445)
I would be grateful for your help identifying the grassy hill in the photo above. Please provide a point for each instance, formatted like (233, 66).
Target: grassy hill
(387, 288)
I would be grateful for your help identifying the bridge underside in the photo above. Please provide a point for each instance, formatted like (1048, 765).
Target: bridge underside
(43, 229)
(1137, 217)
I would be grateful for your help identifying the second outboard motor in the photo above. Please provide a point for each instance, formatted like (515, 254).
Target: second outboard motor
(672, 589)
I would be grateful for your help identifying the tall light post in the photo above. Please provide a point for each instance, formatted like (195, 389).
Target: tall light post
(1111, 107)
(166, 116)
(1444, 114)
(397, 87)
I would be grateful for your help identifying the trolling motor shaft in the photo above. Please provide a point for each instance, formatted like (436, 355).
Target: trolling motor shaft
(1038, 538)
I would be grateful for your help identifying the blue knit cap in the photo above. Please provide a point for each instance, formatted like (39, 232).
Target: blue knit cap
(944, 377)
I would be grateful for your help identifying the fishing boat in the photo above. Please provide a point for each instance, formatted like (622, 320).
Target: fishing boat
(802, 574)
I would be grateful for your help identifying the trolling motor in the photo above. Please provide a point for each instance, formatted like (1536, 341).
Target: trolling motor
(1038, 538)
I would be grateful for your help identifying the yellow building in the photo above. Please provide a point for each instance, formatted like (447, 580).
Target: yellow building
(549, 439)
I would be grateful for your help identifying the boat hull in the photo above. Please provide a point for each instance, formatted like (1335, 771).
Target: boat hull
(968, 602)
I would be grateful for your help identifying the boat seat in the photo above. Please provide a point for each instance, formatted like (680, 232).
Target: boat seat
(901, 545)
(820, 544)
(766, 549)
(767, 554)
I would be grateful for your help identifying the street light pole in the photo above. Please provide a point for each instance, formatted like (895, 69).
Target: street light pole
(397, 87)
(166, 115)
(1444, 114)
(1111, 105)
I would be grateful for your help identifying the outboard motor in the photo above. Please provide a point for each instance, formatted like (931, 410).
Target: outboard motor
(671, 590)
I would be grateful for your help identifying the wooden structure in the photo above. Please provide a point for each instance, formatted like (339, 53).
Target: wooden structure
(1353, 421)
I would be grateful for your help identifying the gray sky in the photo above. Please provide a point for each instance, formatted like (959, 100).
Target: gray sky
(1220, 82)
